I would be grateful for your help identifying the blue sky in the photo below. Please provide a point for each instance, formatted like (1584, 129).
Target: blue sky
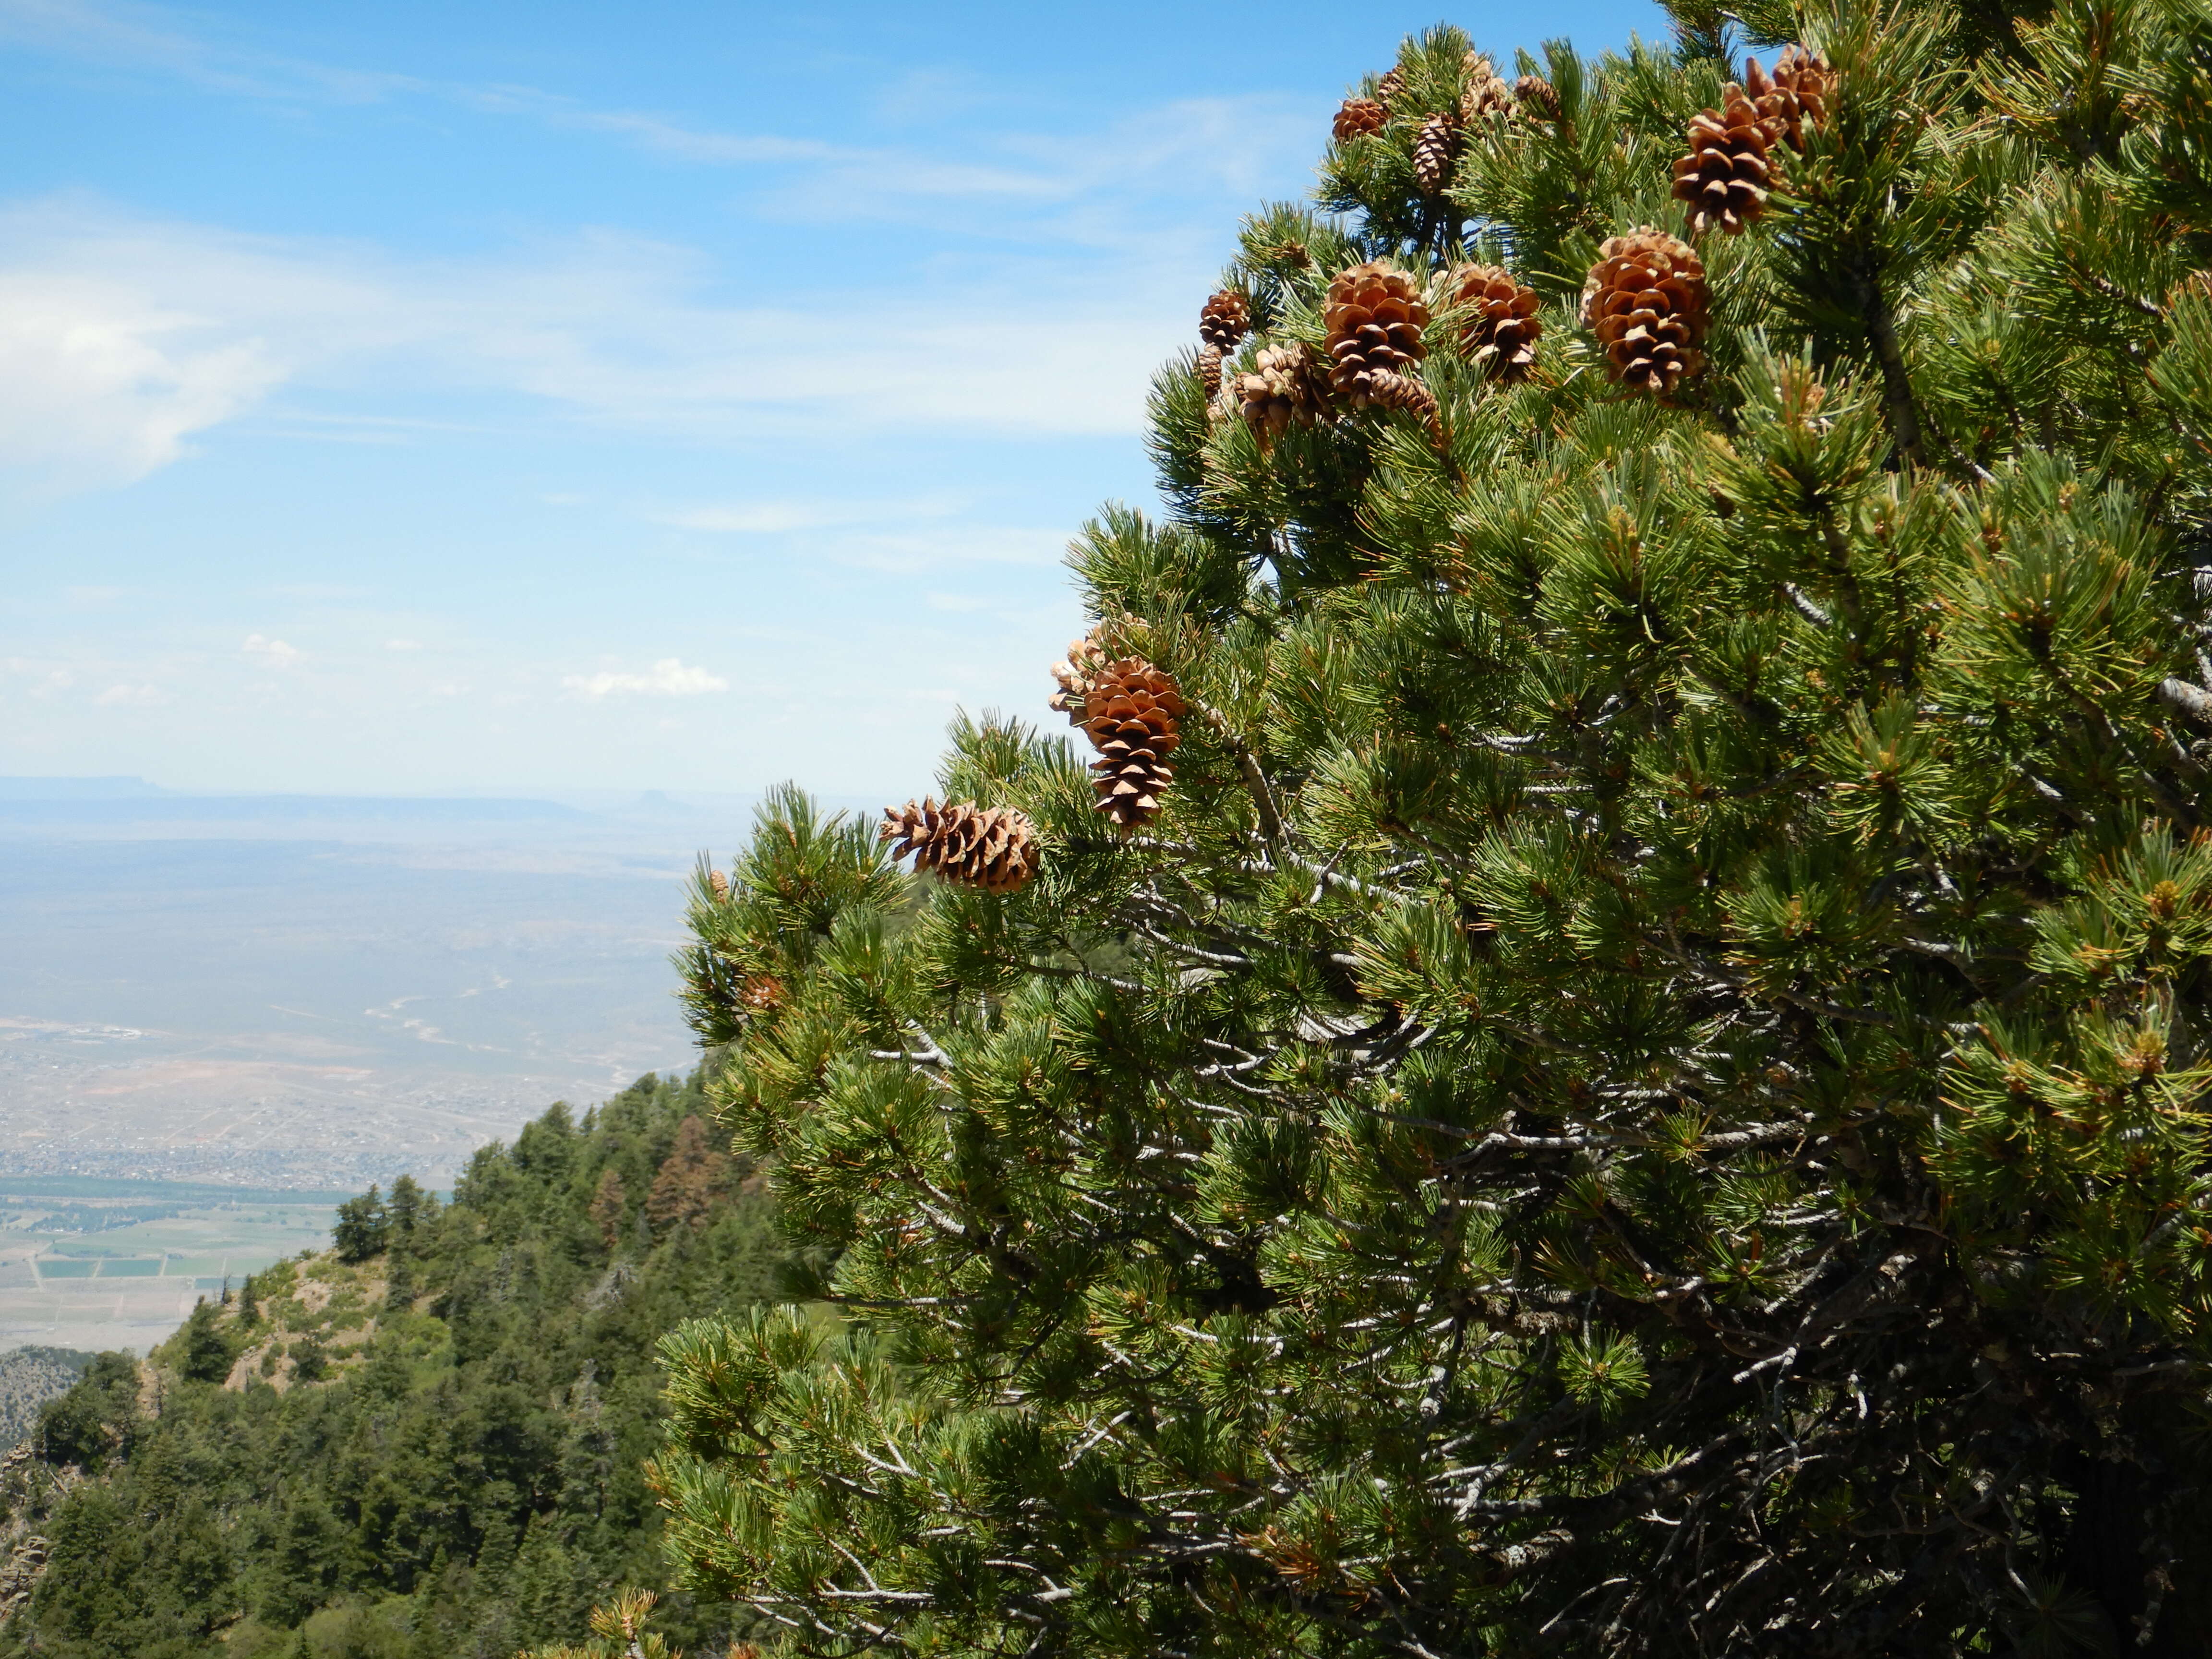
(414, 397)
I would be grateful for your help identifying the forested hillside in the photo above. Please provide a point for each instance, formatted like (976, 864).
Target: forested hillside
(428, 1441)
(28, 1378)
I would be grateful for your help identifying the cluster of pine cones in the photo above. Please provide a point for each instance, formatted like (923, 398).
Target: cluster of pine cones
(1375, 324)
(1733, 162)
(1484, 95)
(1646, 299)
(1131, 711)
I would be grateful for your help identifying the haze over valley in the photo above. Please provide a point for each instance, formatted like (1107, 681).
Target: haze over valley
(285, 999)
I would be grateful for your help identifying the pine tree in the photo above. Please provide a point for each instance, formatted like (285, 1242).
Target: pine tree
(362, 1228)
(609, 1203)
(690, 1180)
(1641, 1091)
(204, 1351)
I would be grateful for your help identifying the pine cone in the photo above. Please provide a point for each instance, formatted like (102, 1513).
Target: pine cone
(1800, 91)
(1209, 368)
(995, 850)
(1224, 319)
(1374, 318)
(1646, 300)
(1402, 392)
(1730, 166)
(1498, 325)
(1131, 709)
(1388, 88)
(1085, 657)
(1284, 385)
(1538, 98)
(1483, 91)
(719, 884)
(1435, 149)
(1358, 116)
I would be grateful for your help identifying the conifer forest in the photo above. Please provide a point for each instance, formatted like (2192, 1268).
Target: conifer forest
(1572, 1029)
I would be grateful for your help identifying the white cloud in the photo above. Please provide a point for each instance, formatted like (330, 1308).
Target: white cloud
(403, 645)
(120, 336)
(132, 696)
(104, 382)
(668, 677)
(275, 653)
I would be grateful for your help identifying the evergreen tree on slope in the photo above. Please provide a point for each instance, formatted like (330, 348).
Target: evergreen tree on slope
(1636, 1082)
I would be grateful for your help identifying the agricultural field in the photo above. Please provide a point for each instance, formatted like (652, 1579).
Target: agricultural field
(115, 1264)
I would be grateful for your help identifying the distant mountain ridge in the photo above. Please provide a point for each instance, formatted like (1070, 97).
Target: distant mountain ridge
(115, 788)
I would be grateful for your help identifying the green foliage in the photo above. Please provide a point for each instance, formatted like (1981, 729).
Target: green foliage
(1647, 1093)
(362, 1228)
(204, 1349)
(453, 1472)
(95, 1420)
(29, 1377)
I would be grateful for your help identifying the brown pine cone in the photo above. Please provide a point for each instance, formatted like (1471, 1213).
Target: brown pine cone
(1646, 300)
(1209, 369)
(1731, 165)
(1538, 98)
(1131, 709)
(1800, 90)
(1085, 657)
(1284, 385)
(1358, 116)
(1483, 91)
(1388, 88)
(1435, 149)
(995, 850)
(1374, 317)
(1224, 319)
(1499, 324)
(719, 885)
(1408, 396)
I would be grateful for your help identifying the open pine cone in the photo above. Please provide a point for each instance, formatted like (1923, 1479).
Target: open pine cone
(1374, 317)
(1731, 164)
(1131, 709)
(1435, 147)
(1224, 319)
(1285, 384)
(1388, 88)
(1799, 92)
(994, 849)
(1646, 300)
(1356, 117)
(1085, 657)
(1498, 324)
(1483, 91)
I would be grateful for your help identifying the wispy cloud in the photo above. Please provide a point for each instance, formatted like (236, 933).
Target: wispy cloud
(1056, 270)
(104, 381)
(120, 336)
(132, 696)
(1228, 142)
(272, 653)
(668, 677)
